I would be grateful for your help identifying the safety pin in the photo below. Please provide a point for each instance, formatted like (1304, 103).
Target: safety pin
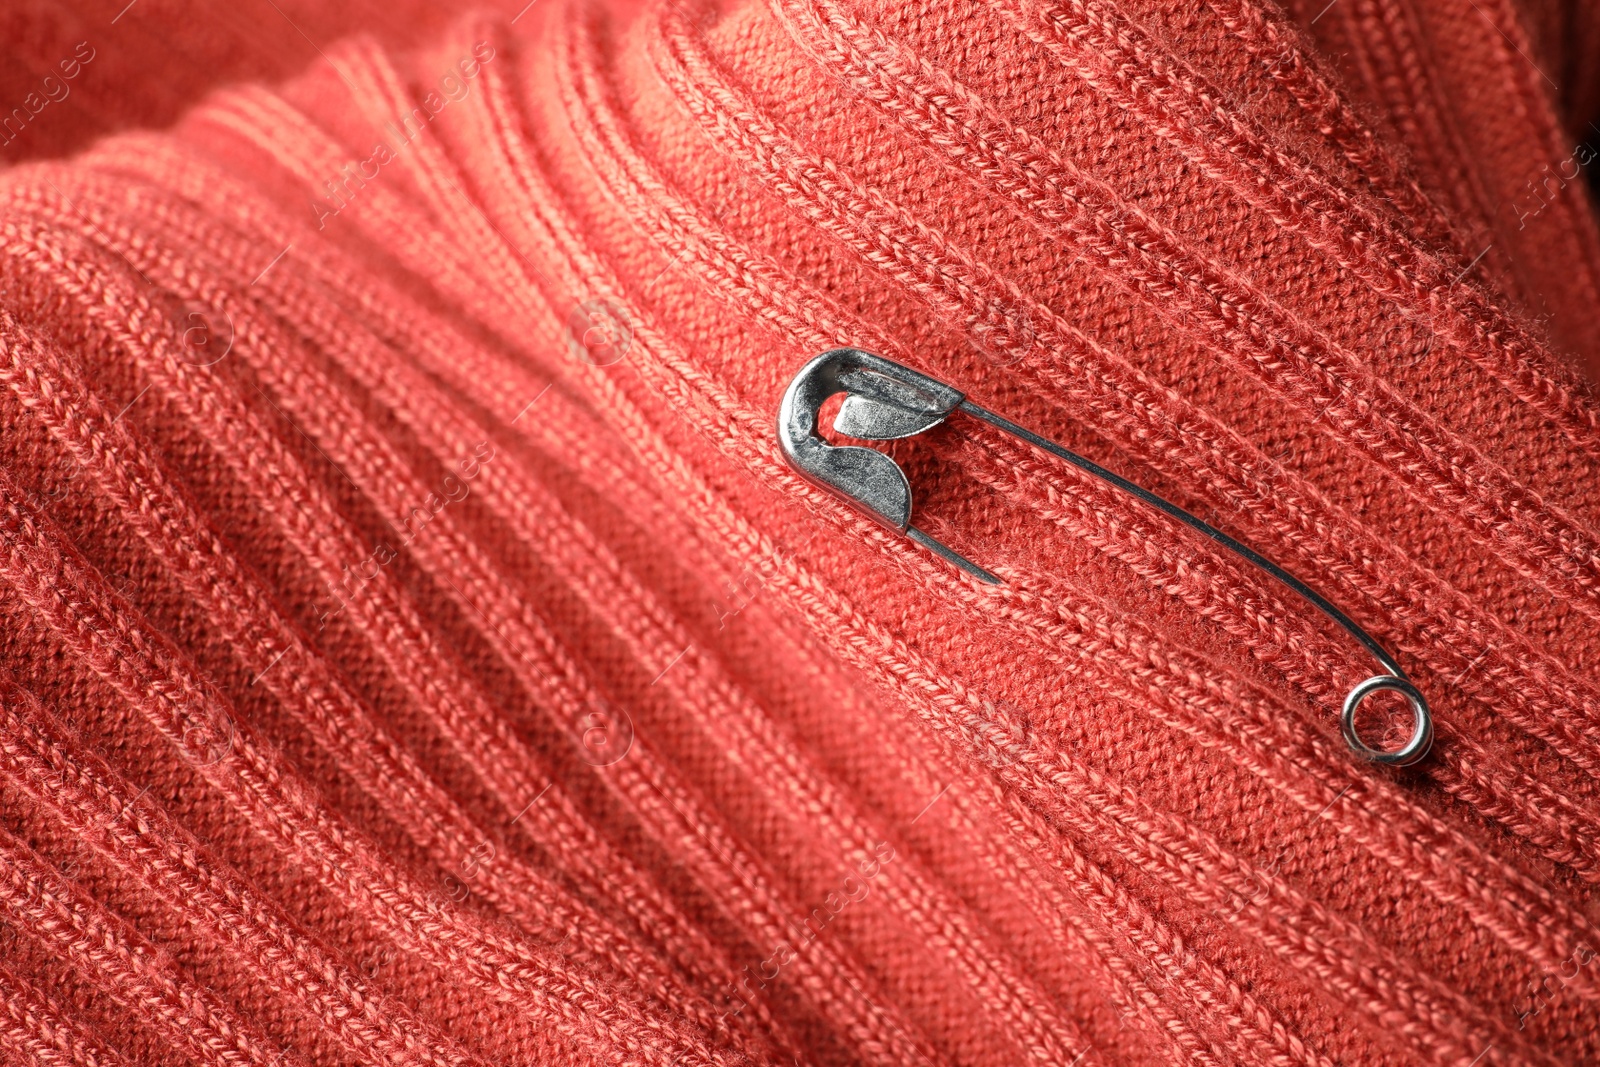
(886, 401)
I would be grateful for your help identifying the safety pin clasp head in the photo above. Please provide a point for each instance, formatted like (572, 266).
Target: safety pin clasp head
(884, 401)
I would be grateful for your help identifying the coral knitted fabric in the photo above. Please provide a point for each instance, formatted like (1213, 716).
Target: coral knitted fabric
(413, 649)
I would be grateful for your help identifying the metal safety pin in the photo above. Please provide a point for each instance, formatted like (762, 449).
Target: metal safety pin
(886, 401)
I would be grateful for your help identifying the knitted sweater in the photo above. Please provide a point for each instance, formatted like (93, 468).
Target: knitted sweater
(414, 648)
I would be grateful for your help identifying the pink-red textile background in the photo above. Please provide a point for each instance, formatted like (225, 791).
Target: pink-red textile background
(414, 650)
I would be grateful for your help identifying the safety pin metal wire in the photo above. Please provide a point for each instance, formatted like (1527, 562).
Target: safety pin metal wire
(885, 400)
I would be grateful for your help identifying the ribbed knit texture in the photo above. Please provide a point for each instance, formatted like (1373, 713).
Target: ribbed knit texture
(413, 649)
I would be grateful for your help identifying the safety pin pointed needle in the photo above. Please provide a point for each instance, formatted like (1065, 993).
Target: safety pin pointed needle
(950, 555)
(886, 401)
